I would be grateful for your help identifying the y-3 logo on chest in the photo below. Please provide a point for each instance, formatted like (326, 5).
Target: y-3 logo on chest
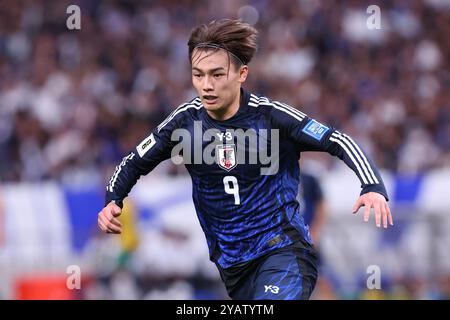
(227, 135)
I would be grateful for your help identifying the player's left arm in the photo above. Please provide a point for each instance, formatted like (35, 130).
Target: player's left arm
(315, 136)
(311, 135)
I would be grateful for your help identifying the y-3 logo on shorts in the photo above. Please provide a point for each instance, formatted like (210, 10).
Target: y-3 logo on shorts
(273, 289)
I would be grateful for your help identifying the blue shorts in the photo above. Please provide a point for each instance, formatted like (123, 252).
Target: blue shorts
(288, 273)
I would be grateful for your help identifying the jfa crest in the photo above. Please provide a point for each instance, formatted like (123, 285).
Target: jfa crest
(226, 156)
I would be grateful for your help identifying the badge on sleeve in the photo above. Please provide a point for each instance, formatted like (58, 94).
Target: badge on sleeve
(315, 129)
(146, 145)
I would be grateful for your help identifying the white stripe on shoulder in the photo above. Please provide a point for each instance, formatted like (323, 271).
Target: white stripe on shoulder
(291, 108)
(178, 108)
(255, 101)
(193, 104)
(284, 109)
(254, 97)
(196, 101)
(263, 100)
(294, 110)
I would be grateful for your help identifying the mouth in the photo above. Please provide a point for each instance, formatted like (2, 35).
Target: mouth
(210, 99)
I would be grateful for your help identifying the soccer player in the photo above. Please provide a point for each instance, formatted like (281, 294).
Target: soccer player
(248, 212)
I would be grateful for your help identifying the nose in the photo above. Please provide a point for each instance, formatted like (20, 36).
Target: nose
(208, 84)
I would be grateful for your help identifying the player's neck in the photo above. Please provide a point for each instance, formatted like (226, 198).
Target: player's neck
(228, 112)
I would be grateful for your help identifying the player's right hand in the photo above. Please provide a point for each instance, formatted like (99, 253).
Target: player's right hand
(107, 219)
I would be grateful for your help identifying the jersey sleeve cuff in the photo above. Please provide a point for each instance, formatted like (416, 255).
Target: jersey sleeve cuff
(117, 202)
(378, 188)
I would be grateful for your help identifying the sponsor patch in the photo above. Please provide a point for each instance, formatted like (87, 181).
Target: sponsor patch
(146, 145)
(315, 129)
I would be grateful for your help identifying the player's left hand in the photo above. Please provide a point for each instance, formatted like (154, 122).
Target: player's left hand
(378, 203)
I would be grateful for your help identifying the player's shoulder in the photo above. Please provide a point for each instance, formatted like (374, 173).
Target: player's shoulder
(183, 111)
(258, 101)
(274, 108)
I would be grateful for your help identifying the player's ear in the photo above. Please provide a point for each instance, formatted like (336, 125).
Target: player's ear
(243, 73)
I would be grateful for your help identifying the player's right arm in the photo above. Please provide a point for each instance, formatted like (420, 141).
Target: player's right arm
(140, 161)
(156, 147)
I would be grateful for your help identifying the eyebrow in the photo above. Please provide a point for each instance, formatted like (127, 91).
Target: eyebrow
(210, 71)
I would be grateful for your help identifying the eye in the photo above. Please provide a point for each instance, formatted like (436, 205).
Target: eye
(218, 75)
(197, 75)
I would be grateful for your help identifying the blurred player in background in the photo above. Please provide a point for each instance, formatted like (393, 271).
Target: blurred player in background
(312, 204)
(249, 213)
(314, 212)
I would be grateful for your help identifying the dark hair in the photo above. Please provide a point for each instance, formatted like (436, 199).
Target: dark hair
(234, 36)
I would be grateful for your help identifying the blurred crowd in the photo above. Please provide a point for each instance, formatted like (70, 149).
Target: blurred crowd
(74, 102)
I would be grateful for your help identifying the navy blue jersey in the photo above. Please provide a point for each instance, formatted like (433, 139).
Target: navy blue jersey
(243, 210)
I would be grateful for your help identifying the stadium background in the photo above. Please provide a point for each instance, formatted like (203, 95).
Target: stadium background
(74, 102)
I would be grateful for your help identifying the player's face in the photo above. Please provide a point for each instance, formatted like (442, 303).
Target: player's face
(217, 81)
